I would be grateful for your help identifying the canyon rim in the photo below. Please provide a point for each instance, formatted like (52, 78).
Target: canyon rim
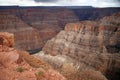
(59, 43)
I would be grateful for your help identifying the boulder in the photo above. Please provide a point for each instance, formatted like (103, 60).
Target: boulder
(6, 39)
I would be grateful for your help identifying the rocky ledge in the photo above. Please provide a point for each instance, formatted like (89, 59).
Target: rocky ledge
(19, 65)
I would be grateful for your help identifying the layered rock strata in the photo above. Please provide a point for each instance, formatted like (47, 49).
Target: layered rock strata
(33, 27)
(95, 45)
(21, 31)
(48, 21)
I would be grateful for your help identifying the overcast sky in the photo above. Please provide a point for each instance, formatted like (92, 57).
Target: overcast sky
(94, 3)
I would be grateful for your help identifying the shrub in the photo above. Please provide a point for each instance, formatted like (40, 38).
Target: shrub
(20, 69)
(40, 73)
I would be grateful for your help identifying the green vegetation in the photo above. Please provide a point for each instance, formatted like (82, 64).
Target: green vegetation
(20, 69)
(40, 73)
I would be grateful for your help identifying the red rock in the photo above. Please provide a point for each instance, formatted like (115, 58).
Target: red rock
(15, 65)
(6, 39)
(47, 22)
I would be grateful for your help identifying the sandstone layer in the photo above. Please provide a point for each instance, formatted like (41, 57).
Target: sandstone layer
(21, 31)
(93, 44)
(33, 26)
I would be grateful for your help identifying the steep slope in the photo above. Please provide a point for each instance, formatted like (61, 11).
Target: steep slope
(22, 32)
(19, 65)
(42, 18)
(92, 44)
(34, 26)
(94, 13)
(46, 22)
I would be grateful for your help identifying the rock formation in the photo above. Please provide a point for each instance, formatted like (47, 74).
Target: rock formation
(33, 27)
(94, 13)
(21, 31)
(19, 65)
(6, 39)
(92, 44)
(43, 23)
(38, 17)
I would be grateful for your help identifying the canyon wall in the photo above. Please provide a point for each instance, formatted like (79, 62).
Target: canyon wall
(88, 36)
(94, 13)
(21, 30)
(33, 26)
(47, 17)
(94, 44)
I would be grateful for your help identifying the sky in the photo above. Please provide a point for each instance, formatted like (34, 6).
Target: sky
(94, 3)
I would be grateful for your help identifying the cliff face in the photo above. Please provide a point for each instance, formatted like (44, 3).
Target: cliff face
(43, 23)
(94, 13)
(48, 22)
(34, 26)
(19, 65)
(47, 17)
(87, 36)
(95, 45)
(21, 31)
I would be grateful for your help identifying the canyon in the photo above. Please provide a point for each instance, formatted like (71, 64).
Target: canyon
(86, 47)
(71, 43)
(33, 26)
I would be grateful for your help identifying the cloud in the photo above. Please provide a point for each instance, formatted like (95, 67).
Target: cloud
(107, 3)
(46, 1)
(109, 0)
(94, 3)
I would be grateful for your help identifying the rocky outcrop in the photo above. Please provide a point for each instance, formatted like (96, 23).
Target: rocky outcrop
(90, 35)
(6, 39)
(86, 36)
(94, 44)
(19, 65)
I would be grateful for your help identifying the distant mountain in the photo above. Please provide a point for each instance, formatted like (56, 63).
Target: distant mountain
(79, 7)
(8, 7)
(23, 7)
